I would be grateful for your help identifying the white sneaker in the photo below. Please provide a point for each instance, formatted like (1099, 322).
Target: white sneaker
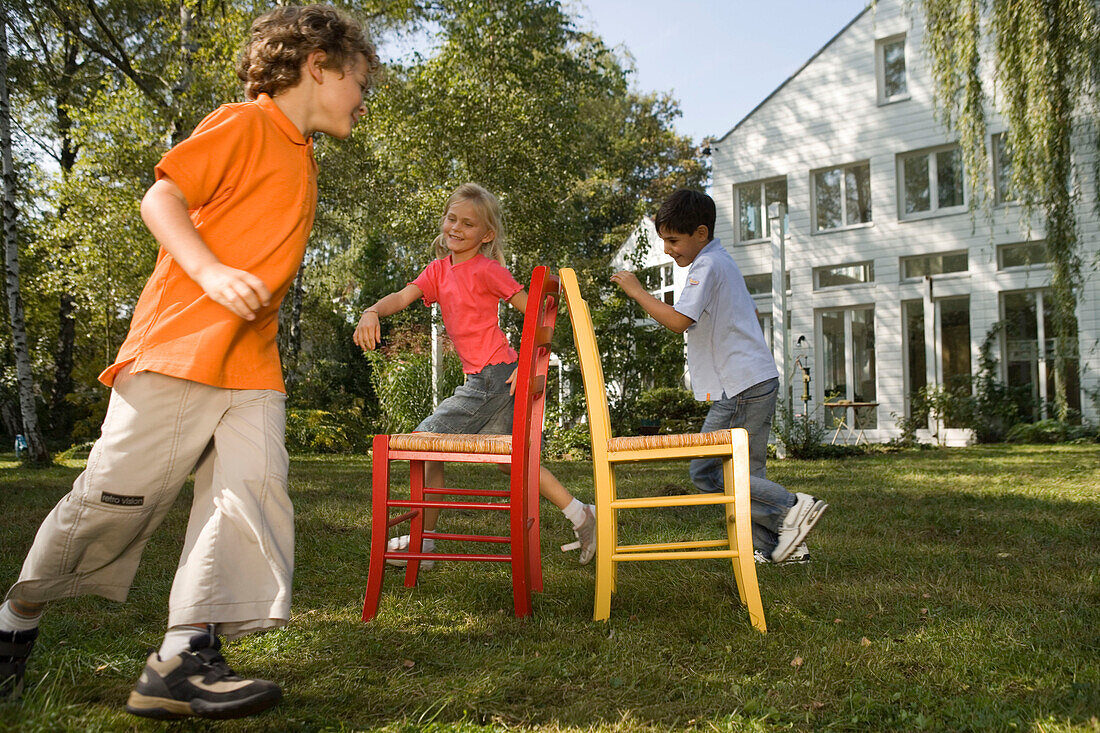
(800, 556)
(586, 536)
(797, 524)
(401, 544)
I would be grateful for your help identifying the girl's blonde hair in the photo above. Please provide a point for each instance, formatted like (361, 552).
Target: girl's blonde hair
(488, 208)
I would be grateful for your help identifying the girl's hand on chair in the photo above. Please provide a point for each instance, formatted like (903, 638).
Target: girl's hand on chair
(512, 382)
(369, 331)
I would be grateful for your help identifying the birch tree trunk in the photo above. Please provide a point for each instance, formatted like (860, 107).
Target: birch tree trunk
(35, 444)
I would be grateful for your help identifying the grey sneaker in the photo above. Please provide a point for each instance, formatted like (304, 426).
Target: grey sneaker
(586, 536)
(15, 648)
(797, 524)
(401, 544)
(198, 682)
(800, 556)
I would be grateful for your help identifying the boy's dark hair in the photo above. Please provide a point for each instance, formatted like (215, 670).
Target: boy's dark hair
(684, 211)
(280, 40)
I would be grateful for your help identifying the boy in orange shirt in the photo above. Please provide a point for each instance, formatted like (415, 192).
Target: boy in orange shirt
(197, 385)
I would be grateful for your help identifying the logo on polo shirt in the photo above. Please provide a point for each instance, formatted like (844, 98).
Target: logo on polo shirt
(692, 281)
(119, 500)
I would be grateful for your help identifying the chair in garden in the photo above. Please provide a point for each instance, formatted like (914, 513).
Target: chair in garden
(520, 451)
(732, 446)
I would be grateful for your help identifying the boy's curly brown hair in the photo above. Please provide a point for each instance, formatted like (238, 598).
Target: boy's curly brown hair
(281, 39)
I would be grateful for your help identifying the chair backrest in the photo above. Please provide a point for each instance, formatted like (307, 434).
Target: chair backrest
(531, 371)
(588, 353)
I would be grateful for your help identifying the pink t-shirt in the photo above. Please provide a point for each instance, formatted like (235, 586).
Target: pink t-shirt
(468, 295)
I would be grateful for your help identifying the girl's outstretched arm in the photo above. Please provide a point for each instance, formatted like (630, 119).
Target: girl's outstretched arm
(519, 302)
(368, 333)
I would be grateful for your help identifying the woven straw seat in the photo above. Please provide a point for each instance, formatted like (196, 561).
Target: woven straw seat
(500, 445)
(651, 442)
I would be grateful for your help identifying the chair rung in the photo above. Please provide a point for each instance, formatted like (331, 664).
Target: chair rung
(682, 555)
(448, 504)
(394, 521)
(446, 556)
(468, 492)
(468, 537)
(646, 502)
(694, 544)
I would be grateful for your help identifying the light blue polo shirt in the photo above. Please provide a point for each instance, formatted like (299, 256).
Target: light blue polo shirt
(726, 349)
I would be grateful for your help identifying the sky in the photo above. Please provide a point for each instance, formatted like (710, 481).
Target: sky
(719, 58)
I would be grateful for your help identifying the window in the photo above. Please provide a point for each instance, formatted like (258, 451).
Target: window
(836, 275)
(658, 281)
(893, 85)
(1030, 351)
(1021, 254)
(931, 182)
(762, 284)
(937, 264)
(847, 347)
(752, 203)
(1002, 170)
(842, 196)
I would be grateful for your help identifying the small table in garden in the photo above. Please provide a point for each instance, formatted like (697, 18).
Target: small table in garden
(846, 426)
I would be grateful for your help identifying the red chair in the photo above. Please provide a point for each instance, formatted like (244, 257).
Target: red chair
(520, 450)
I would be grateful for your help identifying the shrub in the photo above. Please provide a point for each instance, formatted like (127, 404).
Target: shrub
(804, 437)
(1052, 431)
(567, 443)
(402, 378)
(674, 409)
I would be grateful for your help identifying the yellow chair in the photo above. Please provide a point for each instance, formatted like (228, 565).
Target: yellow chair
(732, 446)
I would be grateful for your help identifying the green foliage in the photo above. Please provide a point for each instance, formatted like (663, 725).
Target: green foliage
(1052, 431)
(1046, 60)
(804, 437)
(674, 409)
(319, 431)
(572, 443)
(402, 377)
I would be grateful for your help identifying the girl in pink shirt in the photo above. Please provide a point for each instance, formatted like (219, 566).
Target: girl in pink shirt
(468, 280)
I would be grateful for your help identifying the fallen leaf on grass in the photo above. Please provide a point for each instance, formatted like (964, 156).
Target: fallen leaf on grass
(408, 664)
(796, 662)
(924, 612)
(865, 641)
(815, 705)
(1003, 555)
(837, 621)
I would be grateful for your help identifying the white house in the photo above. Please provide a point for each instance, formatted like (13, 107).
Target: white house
(893, 282)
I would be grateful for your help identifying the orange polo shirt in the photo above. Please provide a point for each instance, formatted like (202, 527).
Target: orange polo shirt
(251, 186)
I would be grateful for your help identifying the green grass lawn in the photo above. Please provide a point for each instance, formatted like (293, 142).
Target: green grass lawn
(952, 589)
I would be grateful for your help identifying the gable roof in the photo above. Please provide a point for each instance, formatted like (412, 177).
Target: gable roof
(821, 50)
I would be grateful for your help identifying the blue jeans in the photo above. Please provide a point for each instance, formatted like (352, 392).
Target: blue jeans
(753, 410)
(482, 404)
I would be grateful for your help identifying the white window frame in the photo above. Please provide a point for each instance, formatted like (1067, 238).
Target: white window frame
(937, 276)
(761, 184)
(933, 184)
(999, 196)
(868, 265)
(843, 197)
(1001, 267)
(880, 68)
(849, 359)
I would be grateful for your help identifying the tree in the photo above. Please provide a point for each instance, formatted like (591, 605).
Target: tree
(28, 410)
(1046, 57)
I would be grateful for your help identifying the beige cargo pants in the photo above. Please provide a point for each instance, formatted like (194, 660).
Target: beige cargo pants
(238, 554)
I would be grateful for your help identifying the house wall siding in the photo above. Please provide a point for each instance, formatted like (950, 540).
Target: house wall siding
(829, 115)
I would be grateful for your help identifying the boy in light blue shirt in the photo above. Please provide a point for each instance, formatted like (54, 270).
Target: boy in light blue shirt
(730, 366)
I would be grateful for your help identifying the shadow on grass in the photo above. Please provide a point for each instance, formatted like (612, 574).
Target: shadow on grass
(948, 591)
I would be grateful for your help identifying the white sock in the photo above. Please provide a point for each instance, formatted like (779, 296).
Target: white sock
(12, 621)
(178, 639)
(575, 512)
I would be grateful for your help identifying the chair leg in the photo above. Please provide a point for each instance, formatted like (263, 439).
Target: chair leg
(416, 530)
(739, 531)
(605, 546)
(379, 535)
(534, 540)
